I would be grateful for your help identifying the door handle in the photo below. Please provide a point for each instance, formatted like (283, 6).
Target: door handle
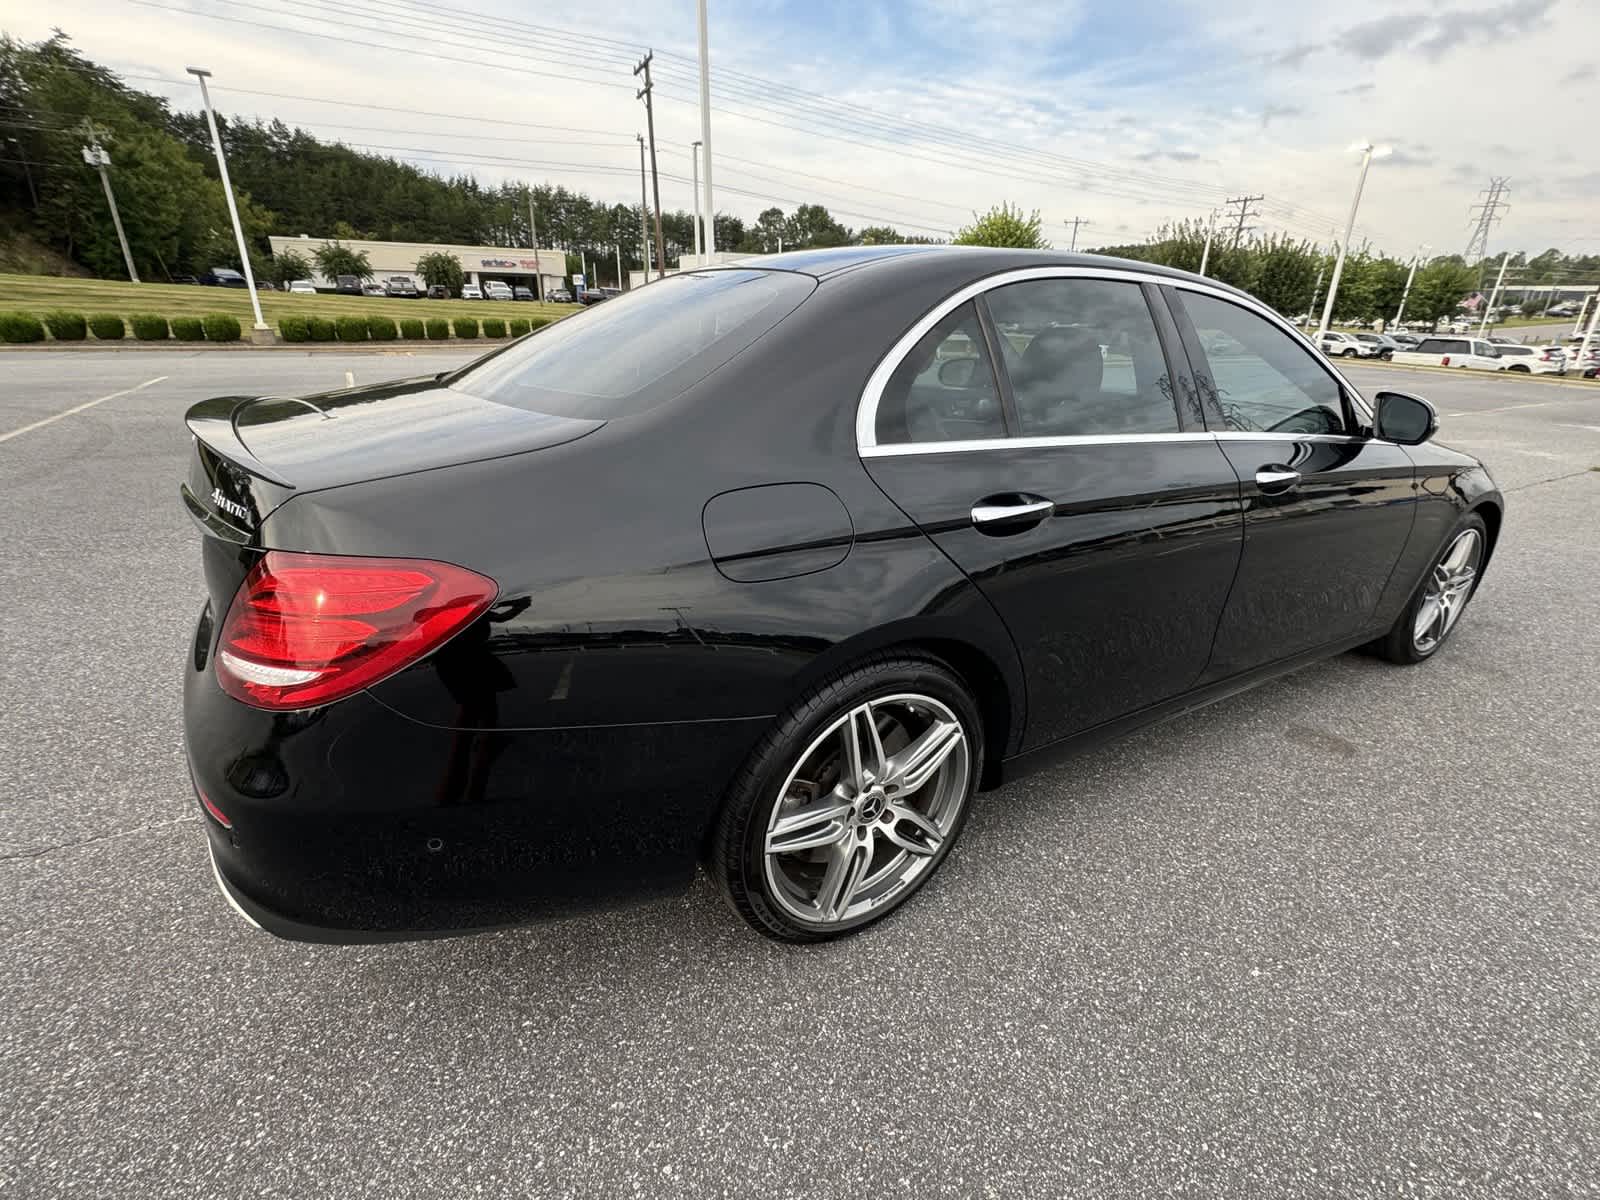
(1272, 480)
(1010, 514)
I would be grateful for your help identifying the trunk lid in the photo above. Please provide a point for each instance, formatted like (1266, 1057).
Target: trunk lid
(254, 453)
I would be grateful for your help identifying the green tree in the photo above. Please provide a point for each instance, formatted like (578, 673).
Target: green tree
(879, 235)
(287, 266)
(335, 259)
(442, 270)
(1004, 226)
(813, 225)
(1440, 286)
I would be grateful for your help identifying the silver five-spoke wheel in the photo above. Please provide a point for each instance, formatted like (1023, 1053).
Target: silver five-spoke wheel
(866, 809)
(1447, 590)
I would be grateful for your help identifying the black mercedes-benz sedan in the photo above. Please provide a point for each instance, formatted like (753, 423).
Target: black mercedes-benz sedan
(768, 569)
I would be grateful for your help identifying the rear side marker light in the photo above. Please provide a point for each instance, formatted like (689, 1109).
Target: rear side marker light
(308, 629)
(217, 815)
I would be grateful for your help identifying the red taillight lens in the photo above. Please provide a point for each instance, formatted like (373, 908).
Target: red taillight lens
(309, 629)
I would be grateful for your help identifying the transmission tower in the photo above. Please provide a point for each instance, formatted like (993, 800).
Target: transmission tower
(1245, 213)
(1487, 213)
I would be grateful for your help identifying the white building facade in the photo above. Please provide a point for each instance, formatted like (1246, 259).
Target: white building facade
(542, 270)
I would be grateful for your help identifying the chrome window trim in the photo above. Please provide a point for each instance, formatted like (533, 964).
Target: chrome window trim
(901, 449)
(872, 394)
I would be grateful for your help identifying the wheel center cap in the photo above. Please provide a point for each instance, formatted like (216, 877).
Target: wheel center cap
(872, 805)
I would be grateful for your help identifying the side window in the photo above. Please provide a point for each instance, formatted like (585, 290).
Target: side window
(1271, 382)
(945, 389)
(1083, 358)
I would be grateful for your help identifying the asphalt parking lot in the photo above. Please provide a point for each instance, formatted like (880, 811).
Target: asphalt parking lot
(1339, 936)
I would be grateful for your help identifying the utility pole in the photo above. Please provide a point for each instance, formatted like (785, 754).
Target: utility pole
(1205, 255)
(1488, 211)
(227, 191)
(655, 180)
(1411, 275)
(1245, 212)
(710, 213)
(1588, 334)
(644, 215)
(1368, 150)
(533, 236)
(694, 149)
(1316, 290)
(619, 266)
(1495, 295)
(1076, 221)
(95, 155)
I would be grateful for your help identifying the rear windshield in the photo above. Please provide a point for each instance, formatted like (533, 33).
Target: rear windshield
(639, 350)
(1442, 346)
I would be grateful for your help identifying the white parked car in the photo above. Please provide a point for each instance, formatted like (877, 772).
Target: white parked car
(495, 290)
(302, 287)
(471, 291)
(1346, 345)
(1533, 360)
(1475, 354)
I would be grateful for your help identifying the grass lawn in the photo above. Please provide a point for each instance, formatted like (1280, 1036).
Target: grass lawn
(39, 294)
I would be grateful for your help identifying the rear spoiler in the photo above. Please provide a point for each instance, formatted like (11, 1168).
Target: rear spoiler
(212, 423)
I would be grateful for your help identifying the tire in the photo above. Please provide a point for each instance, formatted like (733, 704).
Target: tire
(1406, 643)
(1520, 367)
(866, 848)
(1351, 353)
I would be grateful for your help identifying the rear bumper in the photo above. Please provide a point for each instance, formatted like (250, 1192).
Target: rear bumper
(354, 823)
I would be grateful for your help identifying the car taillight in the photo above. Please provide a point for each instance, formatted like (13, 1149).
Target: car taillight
(1446, 361)
(309, 629)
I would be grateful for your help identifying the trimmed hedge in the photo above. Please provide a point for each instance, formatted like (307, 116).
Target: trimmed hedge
(221, 327)
(413, 329)
(321, 329)
(381, 328)
(108, 327)
(188, 329)
(149, 327)
(66, 326)
(465, 327)
(20, 327)
(352, 329)
(438, 329)
(517, 326)
(294, 328)
(538, 322)
(494, 327)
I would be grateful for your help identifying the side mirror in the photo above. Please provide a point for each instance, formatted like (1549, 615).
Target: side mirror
(1404, 418)
(957, 372)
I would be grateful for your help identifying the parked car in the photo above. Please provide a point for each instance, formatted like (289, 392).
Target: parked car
(302, 287)
(400, 287)
(593, 296)
(438, 291)
(1345, 345)
(495, 290)
(406, 715)
(348, 285)
(1472, 353)
(1580, 362)
(184, 279)
(1534, 360)
(471, 291)
(373, 289)
(1406, 341)
(522, 293)
(1383, 346)
(222, 277)
(559, 296)
(1567, 308)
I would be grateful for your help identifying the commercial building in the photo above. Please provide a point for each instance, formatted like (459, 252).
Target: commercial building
(542, 270)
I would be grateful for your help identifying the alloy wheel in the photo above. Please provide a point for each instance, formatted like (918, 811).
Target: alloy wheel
(1447, 591)
(867, 809)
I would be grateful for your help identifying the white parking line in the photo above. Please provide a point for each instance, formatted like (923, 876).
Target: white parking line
(1484, 412)
(78, 408)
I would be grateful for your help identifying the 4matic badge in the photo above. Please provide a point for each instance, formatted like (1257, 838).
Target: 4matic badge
(232, 507)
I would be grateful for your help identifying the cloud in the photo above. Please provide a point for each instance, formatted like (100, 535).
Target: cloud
(1452, 29)
(1579, 73)
(1168, 156)
(1377, 38)
(1356, 89)
(1293, 56)
(1270, 111)
(1409, 158)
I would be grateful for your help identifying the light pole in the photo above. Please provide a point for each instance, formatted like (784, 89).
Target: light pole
(705, 129)
(227, 191)
(1410, 275)
(1588, 335)
(1205, 255)
(1494, 296)
(1368, 153)
(694, 148)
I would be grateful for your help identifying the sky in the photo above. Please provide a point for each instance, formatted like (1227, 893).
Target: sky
(916, 113)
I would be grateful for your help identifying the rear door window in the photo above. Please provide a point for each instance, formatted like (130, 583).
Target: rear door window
(1084, 358)
(945, 389)
(639, 350)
